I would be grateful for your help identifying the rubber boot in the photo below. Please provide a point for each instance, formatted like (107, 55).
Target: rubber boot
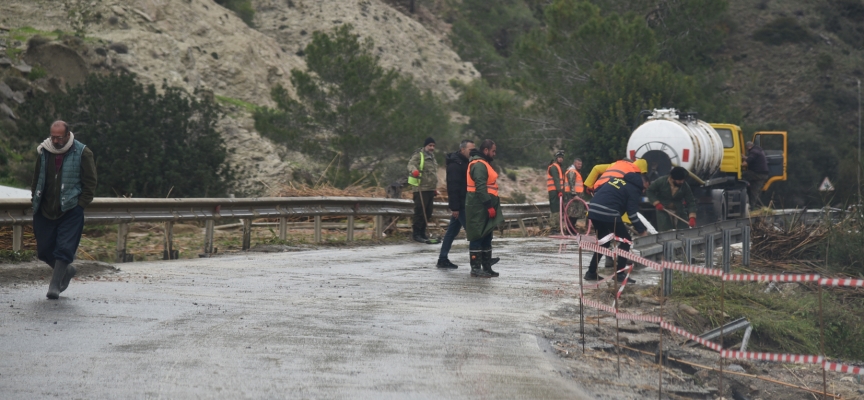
(70, 273)
(446, 264)
(57, 279)
(477, 265)
(416, 235)
(487, 263)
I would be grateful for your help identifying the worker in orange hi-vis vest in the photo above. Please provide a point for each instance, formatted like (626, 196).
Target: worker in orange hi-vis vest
(556, 185)
(575, 188)
(482, 209)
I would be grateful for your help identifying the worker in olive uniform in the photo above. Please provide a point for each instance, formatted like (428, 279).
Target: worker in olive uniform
(483, 209)
(617, 197)
(64, 183)
(757, 173)
(423, 176)
(556, 186)
(672, 194)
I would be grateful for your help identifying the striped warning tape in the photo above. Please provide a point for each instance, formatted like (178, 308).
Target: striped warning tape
(628, 268)
(639, 260)
(837, 367)
(774, 278)
(597, 305)
(636, 317)
(593, 247)
(688, 335)
(842, 282)
(787, 358)
(692, 269)
(610, 237)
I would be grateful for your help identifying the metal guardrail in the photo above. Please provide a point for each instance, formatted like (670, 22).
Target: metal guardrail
(121, 211)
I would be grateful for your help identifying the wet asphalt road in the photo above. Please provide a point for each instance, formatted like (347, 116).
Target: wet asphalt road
(364, 322)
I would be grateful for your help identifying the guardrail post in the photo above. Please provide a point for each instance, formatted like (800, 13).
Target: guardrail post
(727, 250)
(209, 228)
(668, 255)
(317, 235)
(709, 250)
(17, 237)
(350, 231)
(688, 250)
(745, 246)
(522, 226)
(122, 237)
(283, 228)
(168, 253)
(247, 233)
(379, 226)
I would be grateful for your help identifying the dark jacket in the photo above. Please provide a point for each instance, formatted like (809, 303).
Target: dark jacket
(457, 183)
(756, 160)
(50, 203)
(615, 198)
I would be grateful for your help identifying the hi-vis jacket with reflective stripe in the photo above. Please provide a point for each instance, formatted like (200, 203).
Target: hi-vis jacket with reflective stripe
(557, 183)
(618, 197)
(616, 170)
(574, 181)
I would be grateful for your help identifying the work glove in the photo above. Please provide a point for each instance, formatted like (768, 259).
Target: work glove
(659, 207)
(692, 222)
(492, 213)
(416, 173)
(560, 194)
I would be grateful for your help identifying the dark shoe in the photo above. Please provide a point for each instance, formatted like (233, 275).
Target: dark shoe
(621, 277)
(477, 265)
(418, 238)
(445, 263)
(487, 263)
(592, 276)
(423, 234)
(57, 277)
(494, 260)
(70, 273)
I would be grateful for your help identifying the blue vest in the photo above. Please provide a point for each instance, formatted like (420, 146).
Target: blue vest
(70, 181)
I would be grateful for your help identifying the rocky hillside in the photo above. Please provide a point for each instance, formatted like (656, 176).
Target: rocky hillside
(199, 45)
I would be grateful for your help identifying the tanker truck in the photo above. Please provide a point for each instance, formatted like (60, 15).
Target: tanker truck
(712, 152)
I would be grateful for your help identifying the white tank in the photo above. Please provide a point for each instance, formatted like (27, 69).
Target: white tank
(667, 139)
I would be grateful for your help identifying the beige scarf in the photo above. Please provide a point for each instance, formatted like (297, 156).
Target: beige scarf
(48, 145)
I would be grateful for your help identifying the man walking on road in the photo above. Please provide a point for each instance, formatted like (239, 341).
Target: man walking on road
(457, 188)
(556, 185)
(756, 174)
(482, 206)
(672, 194)
(423, 175)
(64, 183)
(611, 200)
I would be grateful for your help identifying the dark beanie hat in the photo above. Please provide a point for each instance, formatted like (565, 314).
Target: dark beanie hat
(678, 173)
(428, 140)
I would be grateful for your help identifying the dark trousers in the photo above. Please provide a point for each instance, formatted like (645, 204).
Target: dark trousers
(603, 229)
(57, 239)
(422, 210)
(756, 180)
(484, 243)
(456, 224)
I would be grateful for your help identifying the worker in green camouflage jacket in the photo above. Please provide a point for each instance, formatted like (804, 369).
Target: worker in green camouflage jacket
(482, 208)
(672, 194)
(423, 176)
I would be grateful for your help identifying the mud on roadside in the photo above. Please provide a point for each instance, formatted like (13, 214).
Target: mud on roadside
(37, 272)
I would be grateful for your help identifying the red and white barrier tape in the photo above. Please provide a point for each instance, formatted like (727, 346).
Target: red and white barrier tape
(688, 335)
(837, 367)
(639, 260)
(593, 247)
(628, 268)
(610, 237)
(787, 358)
(692, 269)
(594, 304)
(636, 317)
(842, 282)
(771, 278)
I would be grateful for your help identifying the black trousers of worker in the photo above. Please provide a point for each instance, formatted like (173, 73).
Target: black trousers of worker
(604, 228)
(422, 210)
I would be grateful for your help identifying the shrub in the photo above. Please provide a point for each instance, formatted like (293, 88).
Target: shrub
(783, 30)
(243, 9)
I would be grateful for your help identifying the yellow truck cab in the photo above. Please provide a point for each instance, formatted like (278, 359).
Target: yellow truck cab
(774, 143)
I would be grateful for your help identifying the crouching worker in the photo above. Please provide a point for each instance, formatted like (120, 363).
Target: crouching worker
(611, 201)
(482, 207)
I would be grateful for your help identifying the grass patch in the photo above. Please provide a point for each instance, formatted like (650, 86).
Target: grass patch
(9, 256)
(239, 103)
(26, 32)
(784, 321)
